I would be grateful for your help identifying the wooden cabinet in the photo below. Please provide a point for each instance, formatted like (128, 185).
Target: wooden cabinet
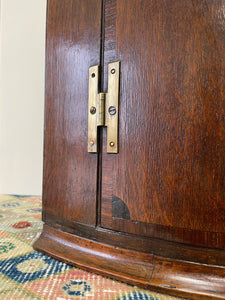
(153, 214)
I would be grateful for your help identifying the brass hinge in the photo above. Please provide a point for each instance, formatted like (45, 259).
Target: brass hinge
(103, 108)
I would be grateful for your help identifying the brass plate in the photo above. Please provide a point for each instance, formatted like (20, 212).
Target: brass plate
(112, 101)
(92, 106)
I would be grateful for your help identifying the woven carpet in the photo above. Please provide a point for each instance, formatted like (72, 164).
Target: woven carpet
(27, 274)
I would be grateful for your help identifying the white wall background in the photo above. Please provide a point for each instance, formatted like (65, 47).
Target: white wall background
(22, 49)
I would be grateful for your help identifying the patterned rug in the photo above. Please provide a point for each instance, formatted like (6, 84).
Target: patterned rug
(27, 274)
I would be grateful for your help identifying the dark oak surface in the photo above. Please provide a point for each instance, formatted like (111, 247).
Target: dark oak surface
(170, 167)
(152, 215)
(155, 246)
(70, 173)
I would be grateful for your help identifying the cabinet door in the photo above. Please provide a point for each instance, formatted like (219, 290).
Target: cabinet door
(70, 172)
(168, 179)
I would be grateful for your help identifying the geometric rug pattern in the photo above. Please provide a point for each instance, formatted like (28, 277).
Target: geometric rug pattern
(27, 274)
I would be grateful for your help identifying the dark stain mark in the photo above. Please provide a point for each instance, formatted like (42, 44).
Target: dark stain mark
(167, 286)
(215, 291)
(119, 209)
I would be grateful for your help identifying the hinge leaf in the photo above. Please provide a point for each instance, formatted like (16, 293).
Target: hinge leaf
(112, 107)
(92, 109)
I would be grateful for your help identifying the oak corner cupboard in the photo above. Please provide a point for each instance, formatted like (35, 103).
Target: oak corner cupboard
(134, 155)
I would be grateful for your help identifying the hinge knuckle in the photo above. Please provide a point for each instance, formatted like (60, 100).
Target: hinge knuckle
(101, 110)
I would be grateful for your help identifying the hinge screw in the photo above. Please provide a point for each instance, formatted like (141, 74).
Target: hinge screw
(112, 110)
(111, 144)
(91, 143)
(113, 71)
(93, 110)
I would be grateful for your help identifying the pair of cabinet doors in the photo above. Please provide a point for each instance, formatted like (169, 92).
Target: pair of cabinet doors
(163, 192)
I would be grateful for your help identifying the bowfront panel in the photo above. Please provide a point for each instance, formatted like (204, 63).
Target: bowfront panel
(168, 179)
(70, 172)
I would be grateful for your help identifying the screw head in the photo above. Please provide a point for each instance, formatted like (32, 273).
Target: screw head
(91, 142)
(113, 71)
(112, 110)
(93, 75)
(93, 110)
(111, 144)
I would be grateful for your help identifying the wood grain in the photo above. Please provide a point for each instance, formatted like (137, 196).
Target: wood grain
(170, 168)
(155, 245)
(70, 173)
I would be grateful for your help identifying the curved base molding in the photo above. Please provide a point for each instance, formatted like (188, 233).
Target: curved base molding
(170, 276)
